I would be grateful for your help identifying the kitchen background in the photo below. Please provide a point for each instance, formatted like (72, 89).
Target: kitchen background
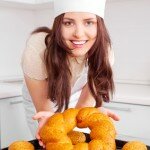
(128, 22)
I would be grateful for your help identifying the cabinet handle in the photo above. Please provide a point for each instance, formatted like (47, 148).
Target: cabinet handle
(15, 102)
(118, 108)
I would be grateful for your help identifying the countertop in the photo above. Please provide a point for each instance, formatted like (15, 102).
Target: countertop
(124, 93)
(132, 93)
(10, 90)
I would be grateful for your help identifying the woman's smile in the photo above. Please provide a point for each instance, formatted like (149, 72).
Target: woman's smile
(77, 43)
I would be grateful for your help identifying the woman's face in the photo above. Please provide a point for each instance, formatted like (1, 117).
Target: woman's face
(79, 31)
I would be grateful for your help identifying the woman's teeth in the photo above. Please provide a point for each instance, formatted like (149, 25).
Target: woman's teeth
(78, 42)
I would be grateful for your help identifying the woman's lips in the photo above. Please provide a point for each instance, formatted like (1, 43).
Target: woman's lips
(78, 44)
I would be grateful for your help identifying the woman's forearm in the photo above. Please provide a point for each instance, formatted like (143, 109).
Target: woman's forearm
(86, 99)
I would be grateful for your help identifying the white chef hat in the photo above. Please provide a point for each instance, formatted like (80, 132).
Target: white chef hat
(96, 7)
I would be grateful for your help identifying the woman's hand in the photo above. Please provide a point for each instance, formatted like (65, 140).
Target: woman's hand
(109, 113)
(42, 117)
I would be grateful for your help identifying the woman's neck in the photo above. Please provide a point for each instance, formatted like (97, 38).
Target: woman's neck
(78, 60)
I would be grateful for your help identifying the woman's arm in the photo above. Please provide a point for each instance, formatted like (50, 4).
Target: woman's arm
(38, 93)
(87, 100)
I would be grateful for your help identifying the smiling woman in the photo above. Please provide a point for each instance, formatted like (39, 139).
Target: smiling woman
(70, 64)
(128, 24)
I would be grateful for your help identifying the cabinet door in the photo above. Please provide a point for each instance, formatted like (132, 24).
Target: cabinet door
(13, 123)
(135, 119)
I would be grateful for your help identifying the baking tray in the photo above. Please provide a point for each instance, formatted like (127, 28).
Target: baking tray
(119, 143)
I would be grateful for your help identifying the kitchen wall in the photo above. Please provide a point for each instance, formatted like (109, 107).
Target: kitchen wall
(16, 22)
(15, 26)
(28, 1)
(127, 22)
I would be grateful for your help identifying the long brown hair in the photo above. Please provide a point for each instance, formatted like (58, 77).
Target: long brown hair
(100, 76)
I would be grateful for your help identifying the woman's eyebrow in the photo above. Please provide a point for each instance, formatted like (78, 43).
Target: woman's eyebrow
(83, 19)
(68, 19)
(90, 19)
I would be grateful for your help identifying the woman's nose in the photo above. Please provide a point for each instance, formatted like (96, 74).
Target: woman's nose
(78, 31)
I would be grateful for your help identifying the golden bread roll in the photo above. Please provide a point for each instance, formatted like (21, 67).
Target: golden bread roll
(59, 146)
(70, 118)
(65, 139)
(97, 118)
(56, 119)
(21, 145)
(96, 145)
(52, 134)
(77, 137)
(100, 132)
(134, 145)
(101, 145)
(54, 129)
(109, 145)
(81, 146)
(83, 114)
(57, 133)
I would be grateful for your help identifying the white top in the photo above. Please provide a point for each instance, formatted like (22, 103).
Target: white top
(33, 66)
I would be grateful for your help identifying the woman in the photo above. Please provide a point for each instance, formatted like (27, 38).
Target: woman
(69, 65)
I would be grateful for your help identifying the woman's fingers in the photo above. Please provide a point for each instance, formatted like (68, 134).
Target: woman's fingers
(113, 115)
(37, 135)
(42, 121)
(41, 143)
(42, 118)
(42, 114)
(109, 113)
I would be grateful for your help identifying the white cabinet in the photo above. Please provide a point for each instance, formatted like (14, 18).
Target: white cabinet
(135, 120)
(13, 123)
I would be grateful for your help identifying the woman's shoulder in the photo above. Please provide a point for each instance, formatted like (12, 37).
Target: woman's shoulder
(33, 57)
(37, 40)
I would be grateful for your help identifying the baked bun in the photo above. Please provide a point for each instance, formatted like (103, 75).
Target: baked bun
(57, 132)
(134, 145)
(59, 146)
(81, 146)
(84, 113)
(54, 129)
(96, 145)
(21, 145)
(77, 137)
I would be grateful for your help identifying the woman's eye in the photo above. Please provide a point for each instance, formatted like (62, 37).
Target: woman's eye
(68, 23)
(89, 23)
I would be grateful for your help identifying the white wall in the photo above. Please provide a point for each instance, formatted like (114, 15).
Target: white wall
(44, 17)
(15, 27)
(21, 1)
(128, 22)
(28, 1)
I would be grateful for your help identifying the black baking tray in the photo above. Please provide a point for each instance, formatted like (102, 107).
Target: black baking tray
(119, 143)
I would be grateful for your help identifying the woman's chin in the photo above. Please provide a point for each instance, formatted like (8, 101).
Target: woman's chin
(77, 53)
